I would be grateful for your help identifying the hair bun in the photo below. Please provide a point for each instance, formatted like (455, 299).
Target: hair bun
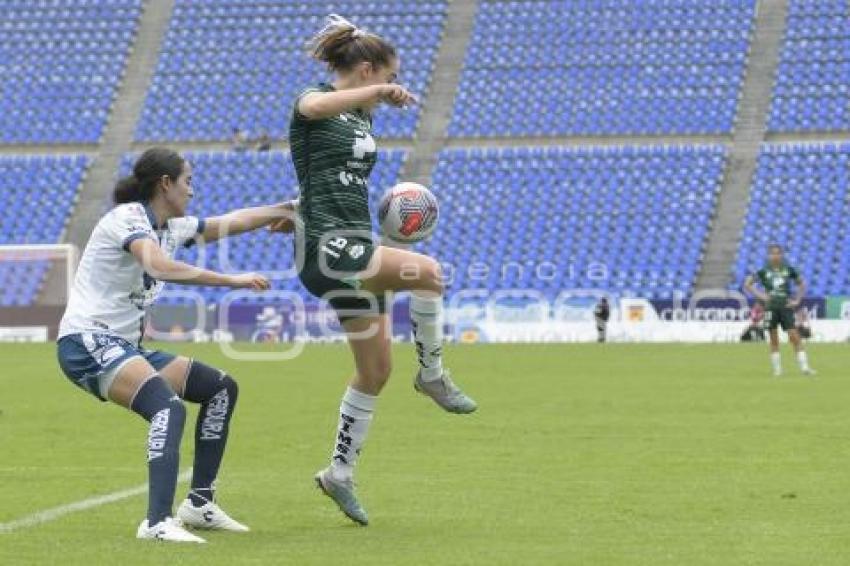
(342, 45)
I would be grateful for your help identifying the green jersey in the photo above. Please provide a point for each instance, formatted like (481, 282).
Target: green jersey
(333, 158)
(777, 283)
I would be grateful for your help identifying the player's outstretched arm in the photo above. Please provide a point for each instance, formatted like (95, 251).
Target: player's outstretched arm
(159, 266)
(248, 219)
(321, 105)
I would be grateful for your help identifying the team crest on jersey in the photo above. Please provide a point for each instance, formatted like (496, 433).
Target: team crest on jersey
(363, 143)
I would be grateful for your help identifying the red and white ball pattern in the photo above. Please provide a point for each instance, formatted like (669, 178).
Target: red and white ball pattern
(408, 213)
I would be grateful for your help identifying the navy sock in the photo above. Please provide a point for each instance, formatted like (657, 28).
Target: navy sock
(158, 404)
(217, 393)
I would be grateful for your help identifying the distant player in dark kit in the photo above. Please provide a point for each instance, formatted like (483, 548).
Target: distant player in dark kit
(775, 280)
(602, 313)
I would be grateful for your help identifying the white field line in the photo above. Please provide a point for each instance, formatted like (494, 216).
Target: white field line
(54, 513)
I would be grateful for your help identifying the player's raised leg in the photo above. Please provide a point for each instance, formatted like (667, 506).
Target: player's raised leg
(141, 389)
(217, 393)
(393, 269)
(369, 339)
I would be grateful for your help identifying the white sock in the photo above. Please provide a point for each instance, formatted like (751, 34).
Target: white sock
(776, 361)
(355, 415)
(426, 314)
(803, 360)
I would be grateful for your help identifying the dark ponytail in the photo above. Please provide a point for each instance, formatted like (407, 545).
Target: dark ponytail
(342, 45)
(151, 166)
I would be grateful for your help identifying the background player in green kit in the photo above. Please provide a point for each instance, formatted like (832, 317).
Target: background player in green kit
(333, 152)
(775, 279)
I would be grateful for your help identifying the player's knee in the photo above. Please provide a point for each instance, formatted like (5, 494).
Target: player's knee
(205, 382)
(231, 387)
(155, 397)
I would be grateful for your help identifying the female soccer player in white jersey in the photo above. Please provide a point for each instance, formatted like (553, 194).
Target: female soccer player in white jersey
(123, 269)
(334, 152)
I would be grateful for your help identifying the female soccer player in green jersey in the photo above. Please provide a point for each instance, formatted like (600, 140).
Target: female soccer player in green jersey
(775, 279)
(333, 152)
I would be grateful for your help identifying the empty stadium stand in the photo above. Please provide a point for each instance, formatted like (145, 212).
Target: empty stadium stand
(60, 63)
(37, 194)
(812, 90)
(591, 67)
(801, 199)
(219, 70)
(632, 221)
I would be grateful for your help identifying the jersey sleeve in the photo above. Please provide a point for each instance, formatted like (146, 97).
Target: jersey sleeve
(186, 229)
(126, 224)
(295, 113)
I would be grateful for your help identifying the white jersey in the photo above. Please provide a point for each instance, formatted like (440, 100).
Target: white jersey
(111, 290)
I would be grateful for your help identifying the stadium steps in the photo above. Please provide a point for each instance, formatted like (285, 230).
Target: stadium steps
(117, 137)
(753, 109)
(808, 137)
(437, 106)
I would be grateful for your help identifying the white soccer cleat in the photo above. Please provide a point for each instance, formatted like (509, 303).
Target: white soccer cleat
(777, 372)
(808, 371)
(209, 517)
(169, 530)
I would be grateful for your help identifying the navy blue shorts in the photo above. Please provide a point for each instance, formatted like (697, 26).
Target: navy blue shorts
(91, 360)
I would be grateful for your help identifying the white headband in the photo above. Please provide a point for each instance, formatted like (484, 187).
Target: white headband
(336, 21)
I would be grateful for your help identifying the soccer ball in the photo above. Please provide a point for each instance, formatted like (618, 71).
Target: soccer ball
(408, 213)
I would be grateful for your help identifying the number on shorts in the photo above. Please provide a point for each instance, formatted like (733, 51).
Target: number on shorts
(337, 242)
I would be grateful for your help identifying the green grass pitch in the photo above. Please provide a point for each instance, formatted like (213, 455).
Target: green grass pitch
(585, 454)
